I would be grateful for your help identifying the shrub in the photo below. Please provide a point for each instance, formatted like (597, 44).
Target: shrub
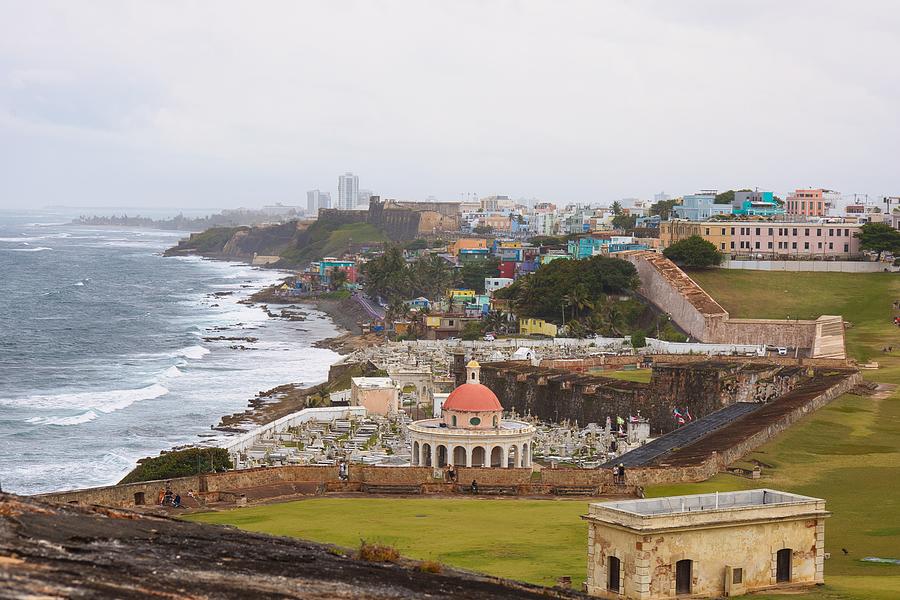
(378, 552)
(638, 340)
(694, 252)
(431, 566)
(179, 463)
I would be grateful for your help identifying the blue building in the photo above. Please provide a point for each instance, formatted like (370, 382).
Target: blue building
(760, 204)
(587, 247)
(700, 207)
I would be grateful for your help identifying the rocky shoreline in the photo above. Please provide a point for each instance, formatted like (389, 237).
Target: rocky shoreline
(290, 397)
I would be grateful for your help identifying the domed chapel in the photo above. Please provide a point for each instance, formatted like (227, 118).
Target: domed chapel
(471, 431)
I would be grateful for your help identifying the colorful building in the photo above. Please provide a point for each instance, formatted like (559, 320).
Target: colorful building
(327, 266)
(781, 240)
(700, 207)
(468, 244)
(812, 202)
(492, 284)
(586, 247)
(532, 326)
(756, 204)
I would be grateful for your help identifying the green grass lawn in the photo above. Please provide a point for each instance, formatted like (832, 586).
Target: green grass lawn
(639, 375)
(847, 453)
(528, 540)
(358, 233)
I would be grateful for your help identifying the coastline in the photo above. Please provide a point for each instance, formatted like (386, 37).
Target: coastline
(290, 397)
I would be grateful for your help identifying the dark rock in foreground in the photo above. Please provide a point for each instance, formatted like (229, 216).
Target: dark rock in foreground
(54, 550)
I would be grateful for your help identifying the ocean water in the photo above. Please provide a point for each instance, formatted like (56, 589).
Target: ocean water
(102, 356)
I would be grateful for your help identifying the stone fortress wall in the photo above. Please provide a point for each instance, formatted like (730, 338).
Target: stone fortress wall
(671, 290)
(400, 220)
(726, 385)
(563, 394)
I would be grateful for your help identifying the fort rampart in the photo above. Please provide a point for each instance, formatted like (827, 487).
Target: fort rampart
(671, 290)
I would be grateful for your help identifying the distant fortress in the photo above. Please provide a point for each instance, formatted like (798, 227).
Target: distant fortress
(400, 220)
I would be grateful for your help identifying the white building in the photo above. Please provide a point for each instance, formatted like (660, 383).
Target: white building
(348, 191)
(316, 199)
(363, 198)
(492, 284)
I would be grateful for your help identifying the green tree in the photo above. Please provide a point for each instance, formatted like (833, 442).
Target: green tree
(387, 275)
(473, 273)
(638, 340)
(338, 278)
(693, 252)
(547, 240)
(616, 208)
(417, 244)
(878, 237)
(663, 208)
(431, 276)
(556, 286)
(483, 230)
(624, 222)
(472, 330)
(179, 463)
(727, 197)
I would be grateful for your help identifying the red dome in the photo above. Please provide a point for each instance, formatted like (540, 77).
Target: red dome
(472, 397)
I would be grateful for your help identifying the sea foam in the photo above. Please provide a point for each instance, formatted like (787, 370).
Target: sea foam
(104, 402)
(193, 352)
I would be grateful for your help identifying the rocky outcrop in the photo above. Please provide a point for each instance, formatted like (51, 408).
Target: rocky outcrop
(67, 551)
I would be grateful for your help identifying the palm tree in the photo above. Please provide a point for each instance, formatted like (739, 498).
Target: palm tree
(338, 278)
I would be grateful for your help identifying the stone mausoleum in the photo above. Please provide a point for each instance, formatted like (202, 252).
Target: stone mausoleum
(706, 545)
(471, 431)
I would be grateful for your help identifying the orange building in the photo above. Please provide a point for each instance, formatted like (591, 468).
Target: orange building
(811, 203)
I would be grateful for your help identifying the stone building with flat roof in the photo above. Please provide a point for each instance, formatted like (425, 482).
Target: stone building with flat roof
(706, 545)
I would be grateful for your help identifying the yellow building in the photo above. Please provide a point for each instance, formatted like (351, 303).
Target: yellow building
(537, 327)
(462, 295)
(716, 232)
(467, 244)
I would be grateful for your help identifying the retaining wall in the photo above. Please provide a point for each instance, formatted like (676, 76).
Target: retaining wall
(751, 443)
(823, 266)
(695, 312)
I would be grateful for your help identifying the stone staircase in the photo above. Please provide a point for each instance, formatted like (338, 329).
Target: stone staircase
(829, 341)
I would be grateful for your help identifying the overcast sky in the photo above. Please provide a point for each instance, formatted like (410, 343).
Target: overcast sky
(215, 104)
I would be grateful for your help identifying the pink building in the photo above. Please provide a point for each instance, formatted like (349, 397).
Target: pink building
(795, 240)
(811, 203)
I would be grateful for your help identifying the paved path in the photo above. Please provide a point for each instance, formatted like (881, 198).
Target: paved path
(372, 309)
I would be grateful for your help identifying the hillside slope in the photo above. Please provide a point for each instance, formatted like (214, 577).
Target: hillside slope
(65, 551)
(297, 243)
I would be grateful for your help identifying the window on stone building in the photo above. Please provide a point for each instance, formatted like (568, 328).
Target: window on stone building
(475, 421)
(737, 576)
(613, 582)
(453, 420)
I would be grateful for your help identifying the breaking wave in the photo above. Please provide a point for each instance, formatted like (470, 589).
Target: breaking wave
(193, 352)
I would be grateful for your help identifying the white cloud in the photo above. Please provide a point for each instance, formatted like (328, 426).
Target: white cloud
(226, 102)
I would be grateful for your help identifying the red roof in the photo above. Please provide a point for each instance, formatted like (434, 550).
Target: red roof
(472, 397)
